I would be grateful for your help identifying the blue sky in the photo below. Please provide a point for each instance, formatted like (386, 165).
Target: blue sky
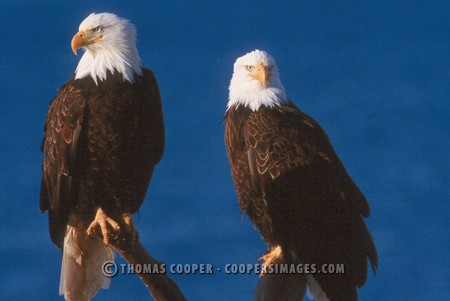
(375, 74)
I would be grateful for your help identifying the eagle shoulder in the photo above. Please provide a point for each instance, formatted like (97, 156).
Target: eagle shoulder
(283, 139)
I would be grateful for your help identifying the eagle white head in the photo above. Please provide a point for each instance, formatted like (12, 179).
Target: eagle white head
(110, 44)
(256, 82)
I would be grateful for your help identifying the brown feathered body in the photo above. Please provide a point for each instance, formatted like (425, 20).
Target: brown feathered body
(298, 194)
(101, 144)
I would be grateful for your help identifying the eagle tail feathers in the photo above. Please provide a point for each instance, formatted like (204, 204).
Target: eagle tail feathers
(81, 272)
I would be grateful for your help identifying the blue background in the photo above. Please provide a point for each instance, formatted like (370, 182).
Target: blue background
(375, 74)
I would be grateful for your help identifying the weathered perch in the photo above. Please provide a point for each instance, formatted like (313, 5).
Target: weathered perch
(161, 287)
(280, 287)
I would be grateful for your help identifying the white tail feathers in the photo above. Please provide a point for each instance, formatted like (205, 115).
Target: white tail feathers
(315, 292)
(81, 271)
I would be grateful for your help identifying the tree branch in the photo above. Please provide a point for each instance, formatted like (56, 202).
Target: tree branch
(280, 286)
(161, 287)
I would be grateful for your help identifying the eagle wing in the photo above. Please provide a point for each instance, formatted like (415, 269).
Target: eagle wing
(145, 142)
(63, 131)
(290, 139)
(315, 207)
(250, 198)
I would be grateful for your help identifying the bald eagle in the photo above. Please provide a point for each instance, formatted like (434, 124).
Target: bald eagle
(292, 184)
(103, 136)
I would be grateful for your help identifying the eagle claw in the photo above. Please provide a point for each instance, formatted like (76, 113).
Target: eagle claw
(271, 257)
(106, 225)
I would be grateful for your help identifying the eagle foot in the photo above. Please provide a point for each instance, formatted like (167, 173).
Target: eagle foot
(271, 257)
(108, 227)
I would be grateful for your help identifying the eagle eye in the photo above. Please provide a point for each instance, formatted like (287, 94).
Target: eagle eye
(250, 67)
(98, 29)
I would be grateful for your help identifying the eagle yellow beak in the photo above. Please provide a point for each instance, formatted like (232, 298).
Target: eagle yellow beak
(262, 74)
(78, 41)
(84, 38)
